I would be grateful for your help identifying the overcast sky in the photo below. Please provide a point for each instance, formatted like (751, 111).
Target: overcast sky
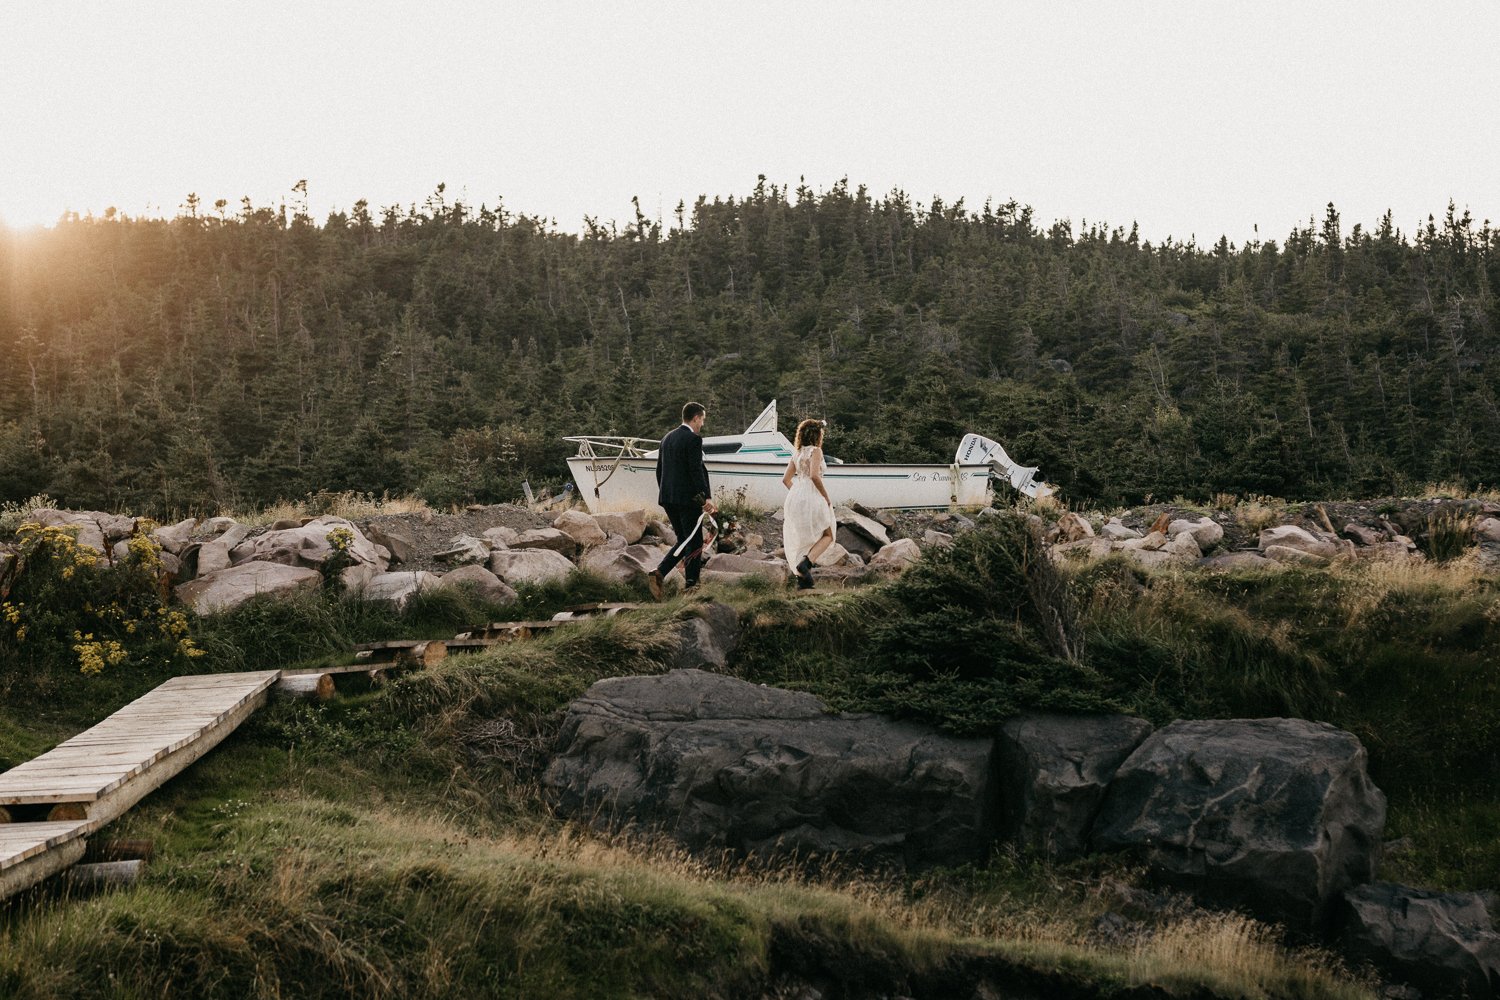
(1193, 119)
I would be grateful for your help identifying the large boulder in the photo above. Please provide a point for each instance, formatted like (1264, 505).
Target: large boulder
(1053, 770)
(581, 527)
(88, 534)
(896, 557)
(719, 763)
(227, 588)
(1205, 531)
(1488, 530)
(1289, 536)
(871, 529)
(465, 550)
(1442, 943)
(855, 541)
(518, 566)
(630, 524)
(214, 555)
(1226, 561)
(729, 568)
(549, 539)
(1183, 549)
(619, 565)
(485, 585)
(1116, 531)
(175, 537)
(308, 545)
(400, 587)
(1073, 527)
(707, 636)
(1278, 815)
(395, 536)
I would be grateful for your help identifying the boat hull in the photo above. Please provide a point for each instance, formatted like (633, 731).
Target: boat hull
(630, 484)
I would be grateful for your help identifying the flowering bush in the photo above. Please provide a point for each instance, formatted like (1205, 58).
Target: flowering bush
(68, 604)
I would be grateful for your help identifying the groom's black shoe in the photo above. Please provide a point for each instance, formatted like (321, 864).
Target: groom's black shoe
(804, 574)
(654, 581)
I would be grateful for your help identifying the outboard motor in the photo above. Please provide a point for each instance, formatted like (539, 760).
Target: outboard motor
(975, 449)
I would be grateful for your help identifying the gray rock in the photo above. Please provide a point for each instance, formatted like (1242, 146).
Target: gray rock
(1205, 531)
(1235, 560)
(1074, 527)
(1183, 548)
(231, 587)
(1442, 943)
(396, 537)
(398, 588)
(871, 529)
(855, 541)
(896, 557)
(1488, 530)
(1053, 770)
(729, 568)
(546, 538)
(486, 585)
(465, 550)
(1151, 542)
(631, 525)
(1278, 815)
(1289, 536)
(717, 762)
(1115, 531)
(1363, 534)
(1095, 547)
(88, 533)
(585, 531)
(502, 537)
(308, 545)
(931, 537)
(517, 566)
(1293, 556)
(707, 637)
(214, 555)
(1149, 558)
(175, 537)
(619, 565)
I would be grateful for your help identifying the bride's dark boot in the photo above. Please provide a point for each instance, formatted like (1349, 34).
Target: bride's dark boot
(804, 574)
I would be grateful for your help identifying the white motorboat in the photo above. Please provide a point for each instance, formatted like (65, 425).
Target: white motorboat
(619, 473)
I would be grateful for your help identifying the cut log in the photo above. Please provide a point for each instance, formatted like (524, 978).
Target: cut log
(120, 850)
(105, 874)
(67, 812)
(505, 631)
(402, 652)
(317, 687)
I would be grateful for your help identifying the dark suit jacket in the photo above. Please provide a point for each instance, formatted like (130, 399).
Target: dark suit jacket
(681, 476)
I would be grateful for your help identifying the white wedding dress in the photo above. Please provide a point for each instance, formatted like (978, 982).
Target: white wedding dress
(806, 515)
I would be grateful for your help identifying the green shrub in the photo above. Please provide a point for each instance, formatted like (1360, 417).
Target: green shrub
(67, 605)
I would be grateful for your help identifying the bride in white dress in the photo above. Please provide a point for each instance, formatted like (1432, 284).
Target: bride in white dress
(808, 523)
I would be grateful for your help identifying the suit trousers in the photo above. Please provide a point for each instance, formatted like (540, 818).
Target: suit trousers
(689, 532)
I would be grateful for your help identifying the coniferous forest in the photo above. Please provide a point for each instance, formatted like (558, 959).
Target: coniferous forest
(228, 358)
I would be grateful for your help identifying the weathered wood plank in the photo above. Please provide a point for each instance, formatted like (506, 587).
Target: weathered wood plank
(27, 873)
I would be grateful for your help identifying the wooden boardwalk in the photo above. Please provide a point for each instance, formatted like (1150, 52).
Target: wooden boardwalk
(51, 804)
(86, 781)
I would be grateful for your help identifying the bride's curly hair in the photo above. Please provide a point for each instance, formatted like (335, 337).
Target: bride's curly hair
(809, 434)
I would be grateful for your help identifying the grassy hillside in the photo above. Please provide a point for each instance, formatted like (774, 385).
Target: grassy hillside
(392, 843)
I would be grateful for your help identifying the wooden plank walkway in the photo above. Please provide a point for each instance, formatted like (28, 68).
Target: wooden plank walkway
(103, 771)
(29, 852)
(91, 779)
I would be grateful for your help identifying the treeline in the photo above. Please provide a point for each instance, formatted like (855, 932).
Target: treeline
(224, 358)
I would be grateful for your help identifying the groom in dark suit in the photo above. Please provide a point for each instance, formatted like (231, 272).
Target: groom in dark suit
(683, 492)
